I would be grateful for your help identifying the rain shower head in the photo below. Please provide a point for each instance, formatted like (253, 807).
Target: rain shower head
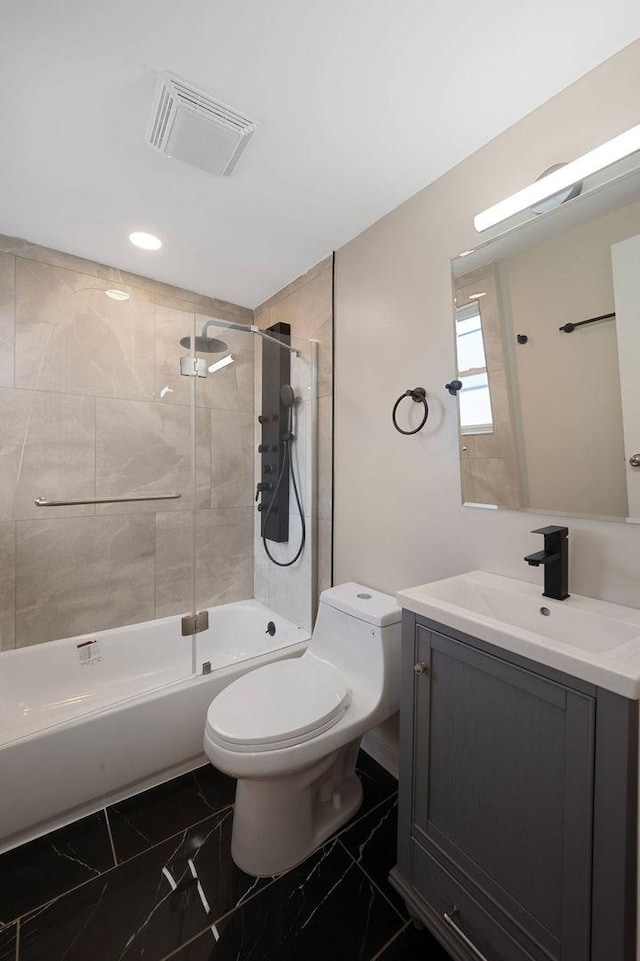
(205, 345)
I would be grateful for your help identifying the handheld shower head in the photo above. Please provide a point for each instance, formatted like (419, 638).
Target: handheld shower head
(287, 395)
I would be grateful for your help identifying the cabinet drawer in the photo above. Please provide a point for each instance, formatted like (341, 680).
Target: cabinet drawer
(443, 893)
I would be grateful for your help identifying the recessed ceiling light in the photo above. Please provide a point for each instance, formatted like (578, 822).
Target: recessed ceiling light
(117, 294)
(147, 241)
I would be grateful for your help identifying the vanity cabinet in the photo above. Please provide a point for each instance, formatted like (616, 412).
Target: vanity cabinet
(518, 804)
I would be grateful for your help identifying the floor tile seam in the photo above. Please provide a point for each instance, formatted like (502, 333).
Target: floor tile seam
(395, 937)
(356, 820)
(102, 874)
(371, 881)
(219, 920)
(155, 844)
(113, 847)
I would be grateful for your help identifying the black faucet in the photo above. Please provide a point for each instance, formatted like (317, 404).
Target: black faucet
(555, 558)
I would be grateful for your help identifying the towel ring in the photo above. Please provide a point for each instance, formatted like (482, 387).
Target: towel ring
(419, 396)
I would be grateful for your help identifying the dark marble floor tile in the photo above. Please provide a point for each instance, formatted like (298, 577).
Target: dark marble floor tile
(163, 811)
(372, 841)
(324, 909)
(413, 945)
(377, 784)
(8, 943)
(42, 869)
(147, 906)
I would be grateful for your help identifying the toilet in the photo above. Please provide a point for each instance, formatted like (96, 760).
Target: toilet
(290, 731)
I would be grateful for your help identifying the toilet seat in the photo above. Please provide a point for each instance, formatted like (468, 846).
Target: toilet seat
(278, 705)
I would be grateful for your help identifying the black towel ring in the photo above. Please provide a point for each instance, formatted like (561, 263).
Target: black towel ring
(419, 395)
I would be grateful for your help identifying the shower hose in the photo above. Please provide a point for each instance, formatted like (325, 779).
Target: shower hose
(287, 464)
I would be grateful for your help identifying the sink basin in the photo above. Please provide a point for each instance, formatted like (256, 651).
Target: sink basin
(590, 639)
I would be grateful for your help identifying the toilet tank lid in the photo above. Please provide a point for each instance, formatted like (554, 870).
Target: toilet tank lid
(364, 603)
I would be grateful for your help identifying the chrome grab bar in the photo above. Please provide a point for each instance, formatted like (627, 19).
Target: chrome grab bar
(47, 502)
(462, 935)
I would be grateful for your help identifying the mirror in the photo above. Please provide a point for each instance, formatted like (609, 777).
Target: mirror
(549, 418)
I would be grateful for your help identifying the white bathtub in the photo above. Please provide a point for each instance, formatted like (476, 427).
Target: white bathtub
(87, 721)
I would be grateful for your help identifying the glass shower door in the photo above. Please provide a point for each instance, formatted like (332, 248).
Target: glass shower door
(96, 494)
(233, 573)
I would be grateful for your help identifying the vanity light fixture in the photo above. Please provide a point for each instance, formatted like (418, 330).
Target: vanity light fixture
(139, 238)
(117, 294)
(219, 364)
(590, 163)
(482, 293)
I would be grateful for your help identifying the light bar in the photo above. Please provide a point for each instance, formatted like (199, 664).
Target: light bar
(590, 163)
(219, 364)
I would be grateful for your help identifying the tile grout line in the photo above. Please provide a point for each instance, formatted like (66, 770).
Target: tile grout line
(223, 917)
(57, 897)
(370, 880)
(351, 824)
(238, 906)
(113, 847)
(380, 953)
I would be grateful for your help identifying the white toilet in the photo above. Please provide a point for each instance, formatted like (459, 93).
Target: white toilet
(290, 731)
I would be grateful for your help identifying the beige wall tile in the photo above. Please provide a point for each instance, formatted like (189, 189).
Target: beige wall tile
(290, 587)
(71, 338)
(224, 556)
(232, 458)
(325, 447)
(174, 581)
(146, 289)
(7, 586)
(495, 481)
(146, 449)
(7, 299)
(224, 559)
(324, 556)
(47, 449)
(82, 574)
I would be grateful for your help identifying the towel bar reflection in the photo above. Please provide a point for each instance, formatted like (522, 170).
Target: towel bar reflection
(51, 502)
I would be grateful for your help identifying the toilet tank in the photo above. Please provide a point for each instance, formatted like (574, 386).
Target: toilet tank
(358, 631)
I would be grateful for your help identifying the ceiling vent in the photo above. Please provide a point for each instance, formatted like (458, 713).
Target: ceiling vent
(191, 126)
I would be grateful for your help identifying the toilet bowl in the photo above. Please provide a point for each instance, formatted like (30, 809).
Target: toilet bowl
(290, 731)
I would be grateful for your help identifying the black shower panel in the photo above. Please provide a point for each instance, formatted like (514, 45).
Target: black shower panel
(276, 371)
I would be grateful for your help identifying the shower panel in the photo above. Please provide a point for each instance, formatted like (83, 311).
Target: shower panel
(276, 373)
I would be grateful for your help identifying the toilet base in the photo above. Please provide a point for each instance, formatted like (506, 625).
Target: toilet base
(278, 822)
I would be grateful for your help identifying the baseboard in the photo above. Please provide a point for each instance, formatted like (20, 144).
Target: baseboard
(382, 746)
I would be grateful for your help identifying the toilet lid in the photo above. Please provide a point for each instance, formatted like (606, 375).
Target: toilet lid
(282, 701)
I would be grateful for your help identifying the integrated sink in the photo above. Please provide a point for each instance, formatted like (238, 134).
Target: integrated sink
(590, 639)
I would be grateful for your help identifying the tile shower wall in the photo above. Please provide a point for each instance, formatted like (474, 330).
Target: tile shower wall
(305, 304)
(92, 404)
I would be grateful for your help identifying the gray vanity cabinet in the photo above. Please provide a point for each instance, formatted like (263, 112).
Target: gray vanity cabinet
(517, 804)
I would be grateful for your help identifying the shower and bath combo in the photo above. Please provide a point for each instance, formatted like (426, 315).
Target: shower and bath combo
(278, 399)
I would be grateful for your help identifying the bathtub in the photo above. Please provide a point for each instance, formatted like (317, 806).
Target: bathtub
(89, 720)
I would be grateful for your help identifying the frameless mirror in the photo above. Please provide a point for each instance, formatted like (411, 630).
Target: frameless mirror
(547, 332)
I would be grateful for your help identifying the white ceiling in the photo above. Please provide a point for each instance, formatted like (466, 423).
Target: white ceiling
(360, 103)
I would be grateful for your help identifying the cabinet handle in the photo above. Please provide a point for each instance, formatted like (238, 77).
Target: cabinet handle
(420, 668)
(462, 935)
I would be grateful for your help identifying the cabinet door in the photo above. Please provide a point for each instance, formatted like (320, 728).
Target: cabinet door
(503, 791)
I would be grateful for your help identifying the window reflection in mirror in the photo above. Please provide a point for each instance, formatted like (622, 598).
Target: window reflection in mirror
(475, 397)
(487, 437)
(565, 407)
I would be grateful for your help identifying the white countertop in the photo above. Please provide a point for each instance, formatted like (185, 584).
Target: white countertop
(590, 639)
